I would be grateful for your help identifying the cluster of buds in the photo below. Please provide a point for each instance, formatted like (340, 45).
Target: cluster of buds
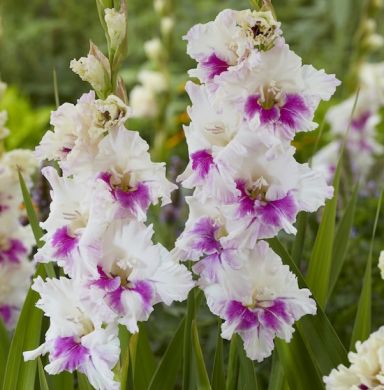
(16, 240)
(97, 232)
(154, 81)
(254, 96)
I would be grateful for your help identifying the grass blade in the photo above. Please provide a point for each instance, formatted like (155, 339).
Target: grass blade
(277, 378)
(218, 376)
(233, 364)
(42, 378)
(124, 357)
(317, 333)
(342, 237)
(187, 343)
(82, 381)
(143, 361)
(362, 326)
(247, 374)
(299, 369)
(4, 347)
(166, 372)
(202, 374)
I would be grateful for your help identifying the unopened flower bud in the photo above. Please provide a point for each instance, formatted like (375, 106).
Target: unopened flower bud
(143, 102)
(153, 49)
(116, 25)
(374, 41)
(167, 25)
(381, 264)
(3, 87)
(91, 70)
(153, 80)
(159, 6)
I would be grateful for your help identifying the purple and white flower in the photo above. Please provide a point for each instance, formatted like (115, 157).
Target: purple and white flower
(259, 301)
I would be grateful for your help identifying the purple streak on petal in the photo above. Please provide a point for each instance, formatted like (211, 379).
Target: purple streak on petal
(266, 115)
(66, 150)
(113, 298)
(202, 161)
(236, 311)
(363, 387)
(133, 199)
(274, 314)
(207, 268)
(6, 314)
(3, 208)
(275, 211)
(105, 177)
(247, 204)
(361, 121)
(63, 242)
(105, 282)
(293, 110)
(145, 290)
(205, 229)
(214, 65)
(71, 352)
(14, 250)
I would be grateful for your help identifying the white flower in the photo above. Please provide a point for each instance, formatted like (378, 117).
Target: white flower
(233, 38)
(143, 102)
(260, 300)
(74, 341)
(116, 25)
(15, 279)
(91, 70)
(22, 160)
(153, 80)
(134, 275)
(366, 370)
(381, 264)
(78, 130)
(131, 179)
(153, 49)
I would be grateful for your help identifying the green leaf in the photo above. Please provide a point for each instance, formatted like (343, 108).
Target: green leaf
(42, 378)
(34, 222)
(124, 338)
(202, 374)
(218, 376)
(233, 365)
(277, 378)
(83, 382)
(299, 369)
(342, 238)
(320, 263)
(317, 333)
(4, 347)
(20, 374)
(166, 372)
(298, 245)
(62, 381)
(143, 361)
(247, 374)
(187, 343)
(362, 326)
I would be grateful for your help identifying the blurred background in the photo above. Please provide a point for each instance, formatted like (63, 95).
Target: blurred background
(40, 36)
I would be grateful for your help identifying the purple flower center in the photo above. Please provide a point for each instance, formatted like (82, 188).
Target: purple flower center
(289, 114)
(206, 230)
(72, 353)
(360, 122)
(63, 242)
(275, 211)
(214, 66)
(6, 313)
(267, 314)
(202, 162)
(12, 250)
(128, 198)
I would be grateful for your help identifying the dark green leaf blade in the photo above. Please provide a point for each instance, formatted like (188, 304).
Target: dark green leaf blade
(362, 325)
(247, 373)
(218, 376)
(202, 374)
(166, 372)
